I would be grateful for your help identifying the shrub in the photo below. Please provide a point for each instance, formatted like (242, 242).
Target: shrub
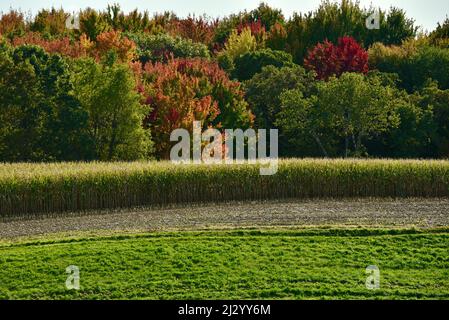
(389, 58)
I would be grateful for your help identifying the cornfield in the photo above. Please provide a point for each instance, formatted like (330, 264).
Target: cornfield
(35, 189)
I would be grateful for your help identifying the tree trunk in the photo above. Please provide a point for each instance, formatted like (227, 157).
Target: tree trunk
(112, 143)
(318, 141)
(354, 143)
(346, 146)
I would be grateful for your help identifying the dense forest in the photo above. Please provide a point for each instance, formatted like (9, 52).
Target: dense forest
(117, 86)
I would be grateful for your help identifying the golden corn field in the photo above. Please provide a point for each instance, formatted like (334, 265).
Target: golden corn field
(34, 189)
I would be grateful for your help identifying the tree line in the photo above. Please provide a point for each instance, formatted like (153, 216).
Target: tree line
(115, 88)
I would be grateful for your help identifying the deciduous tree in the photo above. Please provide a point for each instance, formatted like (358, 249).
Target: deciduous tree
(328, 60)
(115, 123)
(352, 107)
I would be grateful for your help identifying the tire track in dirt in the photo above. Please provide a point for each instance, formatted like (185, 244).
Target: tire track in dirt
(421, 213)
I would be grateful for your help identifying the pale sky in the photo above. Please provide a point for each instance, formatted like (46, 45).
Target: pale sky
(427, 13)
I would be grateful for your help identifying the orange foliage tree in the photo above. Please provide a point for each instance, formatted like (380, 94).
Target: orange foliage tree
(105, 42)
(186, 90)
(115, 41)
(63, 46)
(12, 23)
(193, 28)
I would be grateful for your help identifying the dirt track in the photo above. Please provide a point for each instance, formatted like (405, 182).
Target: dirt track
(422, 213)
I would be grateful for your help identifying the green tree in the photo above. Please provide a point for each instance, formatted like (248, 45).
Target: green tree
(433, 98)
(267, 15)
(333, 20)
(415, 136)
(93, 23)
(247, 65)
(442, 31)
(107, 92)
(50, 23)
(352, 107)
(237, 45)
(40, 118)
(240, 43)
(415, 63)
(429, 63)
(395, 28)
(263, 91)
(162, 47)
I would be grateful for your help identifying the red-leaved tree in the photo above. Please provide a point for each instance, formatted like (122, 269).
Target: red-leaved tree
(257, 30)
(105, 42)
(63, 46)
(327, 59)
(185, 90)
(12, 22)
(198, 29)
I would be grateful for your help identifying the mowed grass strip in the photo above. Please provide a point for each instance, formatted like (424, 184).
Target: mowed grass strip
(313, 264)
(33, 189)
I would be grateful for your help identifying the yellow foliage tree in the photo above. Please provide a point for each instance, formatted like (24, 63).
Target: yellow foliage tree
(239, 44)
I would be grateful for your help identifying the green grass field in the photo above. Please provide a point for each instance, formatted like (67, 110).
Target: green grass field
(283, 264)
(240, 264)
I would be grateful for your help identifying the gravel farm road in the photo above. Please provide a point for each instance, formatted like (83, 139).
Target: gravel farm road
(420, 213)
